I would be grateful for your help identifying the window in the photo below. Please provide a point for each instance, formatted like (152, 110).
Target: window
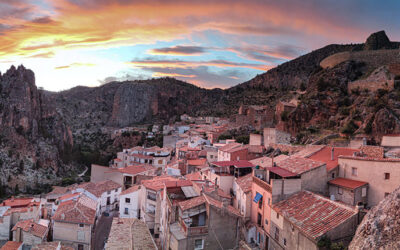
(81, 225)
(277, 234)
(277, 215)
(126, 211)
(127, 200)
(81, 235)
(386, 194)
(363, 192)
(269, 201)
(260, 202)
(387, 176)
(340, 190)
(108, 192)
(199, 244)
(108, 201)
(160, 161)
(259, 219)
(151, 196)
(266, 222)
(354, 171)
(116, 190)
(80, 247)
(333, 175)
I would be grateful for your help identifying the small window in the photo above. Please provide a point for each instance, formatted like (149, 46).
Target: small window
(260, 202)
(80, 247)
(126, 211)
(340, 191)
(354, 171)
(108, 192)
(81, 225)
(363, 192)
(386, 194)
(116, 190)
(269, 201)
(199, 244)
(266, 222)
(277, 215)
(127, 200)
(333, 175)
(387, 176)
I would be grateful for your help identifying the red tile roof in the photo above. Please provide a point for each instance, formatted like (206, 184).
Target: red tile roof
(281, 172)
(193, 176)
(68, 196)
(238, 164)
(132, 189)
(74, 212)
(230, 146)
(308, 151)
(158, 183)
(372, 151)
(347, 183)
(313, 214)
(17, 202)
(370, 159)
(299, 165)
(220, 205)
(132, 170)
(324, 155)
(197, 162)
(191, 203)
(99, 188)
(11, 245)
(256, 149)
(30, 226)
(245, 182)
(265, 161)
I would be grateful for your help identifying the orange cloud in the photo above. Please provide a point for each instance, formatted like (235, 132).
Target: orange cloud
(75, 65)
(188, 64)
(162, 74)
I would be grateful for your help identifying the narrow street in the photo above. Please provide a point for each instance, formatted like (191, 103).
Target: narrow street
(102, 230)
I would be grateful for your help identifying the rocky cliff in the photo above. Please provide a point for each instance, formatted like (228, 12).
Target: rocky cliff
(32, 135)
(380, 228)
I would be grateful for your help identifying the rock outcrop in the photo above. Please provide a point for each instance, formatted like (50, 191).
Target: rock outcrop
(378, 40)
(380, 228)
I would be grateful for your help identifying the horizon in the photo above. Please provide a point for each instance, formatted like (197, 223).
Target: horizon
(211, 45)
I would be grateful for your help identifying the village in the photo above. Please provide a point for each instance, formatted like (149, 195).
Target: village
(202, 191)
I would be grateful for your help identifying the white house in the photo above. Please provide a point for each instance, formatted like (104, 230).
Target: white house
(129, 202)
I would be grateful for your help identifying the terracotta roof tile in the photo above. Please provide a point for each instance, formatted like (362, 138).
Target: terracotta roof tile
(74, 212)
(313, 214)
(197, 162)
(229, 146)
(245, 182)
(220, 205)
(132, 189)
(299, 165)
(370, 158)
(193, 176)
(347, 183)
(373, 151)
(31, 227)
(191, 203)
(11, 245)
(17, 202)
(325, 154)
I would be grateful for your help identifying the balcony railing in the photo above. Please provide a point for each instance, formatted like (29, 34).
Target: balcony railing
(192, 231)
(262, 184)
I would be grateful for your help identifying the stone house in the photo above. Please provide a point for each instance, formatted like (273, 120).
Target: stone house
(233, 152)
(204, 223)
(242, 195)
(391, 141)
(282, 109)
(300, 221)
(30, 232)
(223, 173)
(348, 191)
(73, 224)
(275, 136)
(382, 174)
(273, 184)
(129, 202)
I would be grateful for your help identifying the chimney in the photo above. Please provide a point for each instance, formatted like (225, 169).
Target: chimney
(332, 153)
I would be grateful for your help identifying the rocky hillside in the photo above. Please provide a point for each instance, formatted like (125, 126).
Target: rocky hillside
(380, 228)
(44, 131)
(33, 137)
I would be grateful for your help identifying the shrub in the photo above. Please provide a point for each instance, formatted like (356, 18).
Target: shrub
(243, 139)
(285, 115)
(349, 128)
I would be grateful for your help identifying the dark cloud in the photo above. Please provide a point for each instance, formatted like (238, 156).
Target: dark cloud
(179, 50)
(43, 20)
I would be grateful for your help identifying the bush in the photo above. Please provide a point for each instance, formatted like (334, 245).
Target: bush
(224, 137)
(349, 128)
(285, 115)
(243, 139)
(321, 84)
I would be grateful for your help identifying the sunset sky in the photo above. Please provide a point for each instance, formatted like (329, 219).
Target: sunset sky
(207, 43)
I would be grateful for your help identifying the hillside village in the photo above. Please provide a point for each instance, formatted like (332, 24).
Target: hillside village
(203, 190)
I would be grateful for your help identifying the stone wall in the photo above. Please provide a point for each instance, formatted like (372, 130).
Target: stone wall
(375, 58)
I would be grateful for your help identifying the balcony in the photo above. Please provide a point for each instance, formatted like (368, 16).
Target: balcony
(193, 231)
